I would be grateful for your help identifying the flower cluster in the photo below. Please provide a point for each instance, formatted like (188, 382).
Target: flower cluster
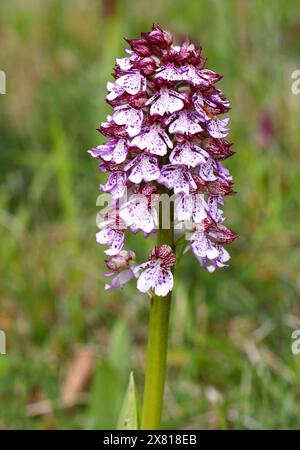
(165, 133)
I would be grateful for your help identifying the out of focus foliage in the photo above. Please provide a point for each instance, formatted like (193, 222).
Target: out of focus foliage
(230, 359)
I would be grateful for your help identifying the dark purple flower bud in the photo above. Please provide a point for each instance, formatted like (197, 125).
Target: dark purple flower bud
(158, 36)
(136, 101)
(217, 188)
(110, 166)
(111, 129)
(147, 66)
(218, 148)
(189, 54)
(121, 261)
(222, 234)
(140, 46)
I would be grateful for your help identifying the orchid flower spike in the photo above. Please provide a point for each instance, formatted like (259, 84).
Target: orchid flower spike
(165, 132)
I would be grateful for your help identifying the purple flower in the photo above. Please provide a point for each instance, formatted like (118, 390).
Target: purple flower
(111, 129)
(132, 82)
(189, 154)
(113, 238)
(206, 244)
(212, 264)
(196, 76)
(214, 211)
(207, 169)
(154, 139)
(217, 128)
(159, 37)
(115, 151)
(209, 105)
(144, 167)
(130, 117)
(185, 123)
(127, 62)
(138, 214)
(121, 270)
(157, 274)
(202, 246)
(217, 148)
(166, 134)
(177, 178)
(169, 73)
(115, 184)
(191, 207)
(166, 101)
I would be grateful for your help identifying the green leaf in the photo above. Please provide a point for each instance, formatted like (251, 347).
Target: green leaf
(106, 397)
(119, 349)
(129, 416)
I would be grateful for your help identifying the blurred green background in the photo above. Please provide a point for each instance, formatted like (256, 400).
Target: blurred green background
(70, 344)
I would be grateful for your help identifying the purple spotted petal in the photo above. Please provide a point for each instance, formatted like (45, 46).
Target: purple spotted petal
(114, 91)
(120, 280)
(132, 83)
(218, 128)
(206, 171)
(185, 154)
(145, 167)
(214, 211)
(114, 150)
(131, 118)
(113, 238)
(199, 208)
(157, 278)
(153, 140)
(146, 278)
(194, 76)
(185, 124)
(166, 101)
(223, 172)
(169, 73)
(163, 282)
(115, 184)
(202, 246)
(191, 206)
(178, 178)
(184, 206)
(219, 262)
(137, 215)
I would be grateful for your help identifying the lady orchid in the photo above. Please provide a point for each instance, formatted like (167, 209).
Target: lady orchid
(165, 137)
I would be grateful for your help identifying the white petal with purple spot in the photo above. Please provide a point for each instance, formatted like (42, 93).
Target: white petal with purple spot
(154, 140)
(132, 83)
(184, 154)
(185, 124)
(217, 128)
(131, 118)
(166, 101)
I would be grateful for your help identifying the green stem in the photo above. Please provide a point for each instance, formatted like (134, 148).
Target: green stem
(157, 346)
